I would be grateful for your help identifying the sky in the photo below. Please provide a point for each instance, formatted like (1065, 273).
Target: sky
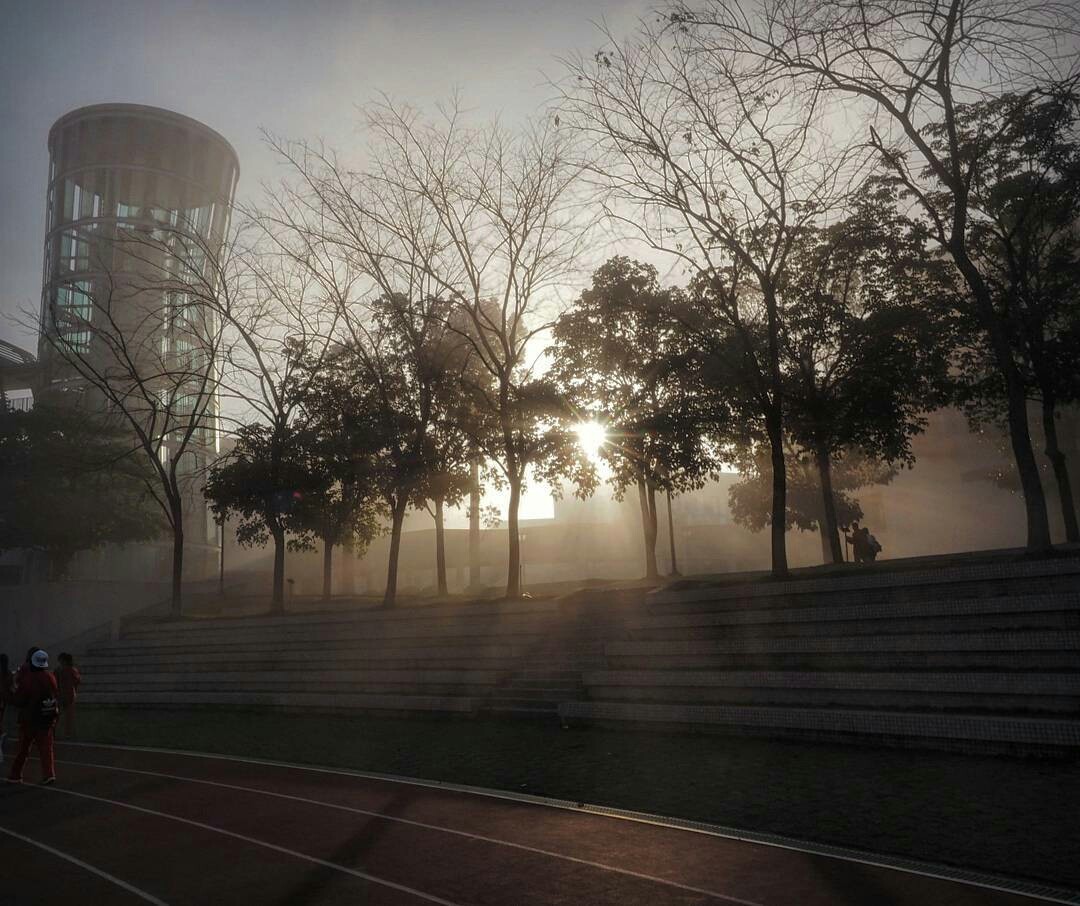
(297, 69)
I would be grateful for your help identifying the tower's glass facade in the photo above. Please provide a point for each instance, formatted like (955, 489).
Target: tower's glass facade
(138, 206)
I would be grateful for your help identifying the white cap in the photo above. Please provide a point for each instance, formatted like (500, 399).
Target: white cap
(40, 659)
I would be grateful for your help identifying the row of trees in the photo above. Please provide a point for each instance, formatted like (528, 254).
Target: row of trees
(873, 207)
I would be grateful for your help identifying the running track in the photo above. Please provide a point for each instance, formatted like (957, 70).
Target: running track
(129, 826)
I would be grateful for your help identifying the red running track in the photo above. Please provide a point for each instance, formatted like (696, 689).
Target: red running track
(128, 826)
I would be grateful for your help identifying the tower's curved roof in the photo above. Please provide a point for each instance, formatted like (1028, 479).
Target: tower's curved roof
(147, 112)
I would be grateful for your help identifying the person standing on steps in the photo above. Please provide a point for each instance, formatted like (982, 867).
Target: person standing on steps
(36, 694)
(860, 542)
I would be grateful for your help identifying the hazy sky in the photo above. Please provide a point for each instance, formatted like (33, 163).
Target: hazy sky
(296, 68)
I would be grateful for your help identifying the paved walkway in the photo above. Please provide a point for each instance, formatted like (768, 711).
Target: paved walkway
(128, 826)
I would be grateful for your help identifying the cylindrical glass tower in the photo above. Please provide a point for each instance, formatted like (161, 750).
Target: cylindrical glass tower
(138, 210)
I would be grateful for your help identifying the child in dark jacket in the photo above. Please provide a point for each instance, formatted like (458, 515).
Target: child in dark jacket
(68, 679)
(36, 694)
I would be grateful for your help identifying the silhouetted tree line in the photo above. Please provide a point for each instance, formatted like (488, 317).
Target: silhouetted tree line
(871, 207)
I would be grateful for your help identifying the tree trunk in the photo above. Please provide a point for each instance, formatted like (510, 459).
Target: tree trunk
(1038, 521)
(513, 568)
(779, 493)
(774, 427)
(176, 601)
(1061, 469)
(474, 523)
(648, 528)
(829, 529)
(440, 548)
(671, 537)
(397, 518)
(327, 568)
(347, 569)
(277, 599)
(221, 561)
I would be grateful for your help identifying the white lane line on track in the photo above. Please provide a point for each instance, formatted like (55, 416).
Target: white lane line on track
(130, 888)
(382, 882)
(726, 898)
(774, 841)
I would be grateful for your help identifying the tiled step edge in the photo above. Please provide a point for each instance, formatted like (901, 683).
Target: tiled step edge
(886, 578)
(1031, 731)
(885, 610)
(306, 700)
(1019, 640)
(1019, 683)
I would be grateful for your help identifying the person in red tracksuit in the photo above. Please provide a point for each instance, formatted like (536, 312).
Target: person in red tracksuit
(36, 695)
(7, 689)
(68, 679)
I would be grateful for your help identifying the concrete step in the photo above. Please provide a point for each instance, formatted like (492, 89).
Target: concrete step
(322, 632)
(936, 702)
(399, 659)
(662, 617)
(305, 701)
(519, 708)
(450, 611)
(1009, 641)
(474, 677)
(852, 660)
(1059, 621)
(867, 585)
(566, 683)
(459, 635)
(920, 681)
(321, 652)
(538, 648)
(194, 684)
(870, 725)
(554, 694)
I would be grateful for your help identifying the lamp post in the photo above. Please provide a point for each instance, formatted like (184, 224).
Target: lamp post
(671, 536)
(221, 558)
(521, 563)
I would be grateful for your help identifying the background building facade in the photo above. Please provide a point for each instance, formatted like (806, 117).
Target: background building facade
(138, 206)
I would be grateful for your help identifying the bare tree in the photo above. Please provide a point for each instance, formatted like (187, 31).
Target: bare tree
(484, 218)
(907, 69)
(704, 162)
(137, 336)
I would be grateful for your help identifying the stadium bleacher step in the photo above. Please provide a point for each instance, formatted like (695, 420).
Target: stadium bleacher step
(981, 656)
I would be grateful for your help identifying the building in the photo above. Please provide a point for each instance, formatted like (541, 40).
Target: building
(138, 206)
(18, 375)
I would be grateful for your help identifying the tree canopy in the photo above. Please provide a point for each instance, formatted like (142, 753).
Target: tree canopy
(70, 481)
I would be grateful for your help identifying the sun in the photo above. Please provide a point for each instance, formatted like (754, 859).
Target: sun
(591, 436)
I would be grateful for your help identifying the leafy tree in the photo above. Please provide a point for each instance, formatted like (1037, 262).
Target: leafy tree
(70, 481)
(1027, 244)
(340, 506)
(719, 166)
(750, 496)
(454, 438)
(623, 358)
(912, 73)
(863, 341)
(261, 481)
(385, 389)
